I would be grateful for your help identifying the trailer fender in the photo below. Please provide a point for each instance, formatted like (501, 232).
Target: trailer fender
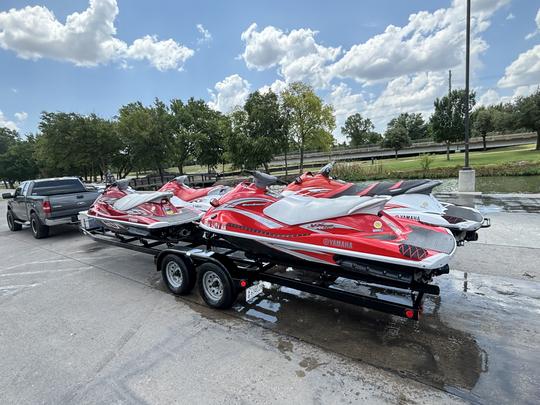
(159, 258)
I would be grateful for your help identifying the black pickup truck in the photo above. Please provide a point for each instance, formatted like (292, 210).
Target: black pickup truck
(47, 202)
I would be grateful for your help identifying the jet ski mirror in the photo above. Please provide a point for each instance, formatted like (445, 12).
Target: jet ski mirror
(121, 184)
(181, 180)
(263, 180)
(325, 170)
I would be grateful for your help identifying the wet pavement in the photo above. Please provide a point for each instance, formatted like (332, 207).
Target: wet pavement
(477, 342)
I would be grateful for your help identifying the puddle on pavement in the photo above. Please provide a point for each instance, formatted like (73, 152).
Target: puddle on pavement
(470, 340)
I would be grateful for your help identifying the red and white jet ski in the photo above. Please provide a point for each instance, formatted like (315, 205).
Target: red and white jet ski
(349, 233)
(198, 198)
(146, 215)
(410, 199)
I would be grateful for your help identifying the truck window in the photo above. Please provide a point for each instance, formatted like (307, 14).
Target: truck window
(53, 187)
(17, 192)
(24, 187)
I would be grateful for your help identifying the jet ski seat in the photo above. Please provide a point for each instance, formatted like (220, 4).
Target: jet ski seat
(263, 180)
(403, 187)
(390, 188)
(294, 210)
(134, 199)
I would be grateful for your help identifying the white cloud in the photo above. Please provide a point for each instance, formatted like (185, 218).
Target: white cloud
(537, 21)
(296, 54)
(491, 96)
(229, 93)
(345, 103)
(205, 37)
(428, 42)
(87, 38)
(277, 87)
(163, 55)
(525, 70)
(6, 123)
(510, 16)
(21, 116)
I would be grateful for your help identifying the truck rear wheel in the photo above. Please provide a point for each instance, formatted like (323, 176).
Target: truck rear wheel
(178, 276)
(13, 226)
(39, 230)
(215, 286)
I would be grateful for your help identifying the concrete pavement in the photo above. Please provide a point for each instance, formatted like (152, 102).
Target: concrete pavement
(87, 323)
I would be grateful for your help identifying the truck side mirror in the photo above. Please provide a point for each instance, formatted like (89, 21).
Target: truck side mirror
(7, 196)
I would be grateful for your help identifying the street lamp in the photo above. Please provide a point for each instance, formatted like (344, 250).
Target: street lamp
(467, 62)
(467, 174)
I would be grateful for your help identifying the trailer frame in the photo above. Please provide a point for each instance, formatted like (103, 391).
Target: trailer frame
(235, 272)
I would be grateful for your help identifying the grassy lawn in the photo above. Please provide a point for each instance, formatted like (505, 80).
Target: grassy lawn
(503, 155)
(523, 153)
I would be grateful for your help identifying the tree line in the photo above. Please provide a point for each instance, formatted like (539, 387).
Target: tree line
(447, 123)
(160, 136)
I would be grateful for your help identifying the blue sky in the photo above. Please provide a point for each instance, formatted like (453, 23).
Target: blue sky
(376, 57)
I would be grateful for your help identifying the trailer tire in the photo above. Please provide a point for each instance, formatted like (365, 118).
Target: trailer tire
(39, 230)
(178, 276)
(215, 286)
(13, 226)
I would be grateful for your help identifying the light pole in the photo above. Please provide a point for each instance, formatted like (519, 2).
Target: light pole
(467, 176)
(467, 62)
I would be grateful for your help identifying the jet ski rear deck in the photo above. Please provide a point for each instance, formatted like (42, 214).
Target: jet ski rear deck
(221, 268)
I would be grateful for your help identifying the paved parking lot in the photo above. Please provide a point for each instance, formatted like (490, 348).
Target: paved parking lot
(87, 323)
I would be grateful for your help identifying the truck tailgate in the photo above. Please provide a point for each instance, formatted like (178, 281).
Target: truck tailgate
(65, 205)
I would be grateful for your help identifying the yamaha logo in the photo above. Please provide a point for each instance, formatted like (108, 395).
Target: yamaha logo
(337, 243)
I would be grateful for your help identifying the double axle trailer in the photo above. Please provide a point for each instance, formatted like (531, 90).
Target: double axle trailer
(223, 272)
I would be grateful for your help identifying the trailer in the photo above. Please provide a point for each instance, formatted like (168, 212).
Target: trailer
(223, 272)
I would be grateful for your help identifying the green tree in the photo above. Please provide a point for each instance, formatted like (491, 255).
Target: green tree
(184, 131)
(396, 137)
(7, 138)
(359, 131)
(310, 120)
(147, 135)
(483, 122)
(17, 163)
(414, 123)
(528, 113)
(60, 148)
(448, 120)
(257, 131)
(208, 129)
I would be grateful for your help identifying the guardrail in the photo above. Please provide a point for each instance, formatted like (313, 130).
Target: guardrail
(153, 181)
(352, 151)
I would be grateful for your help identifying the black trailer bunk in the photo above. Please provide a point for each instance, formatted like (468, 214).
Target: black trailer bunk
(222, 272)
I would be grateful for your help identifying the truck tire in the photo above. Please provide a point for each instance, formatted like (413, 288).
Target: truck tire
(178, 276)
(215, 286)
(13, 226)
(39, 230)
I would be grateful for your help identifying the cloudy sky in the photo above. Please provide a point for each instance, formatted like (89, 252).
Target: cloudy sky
(378, 57)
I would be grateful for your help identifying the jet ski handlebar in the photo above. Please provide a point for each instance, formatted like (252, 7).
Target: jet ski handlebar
(326, 169)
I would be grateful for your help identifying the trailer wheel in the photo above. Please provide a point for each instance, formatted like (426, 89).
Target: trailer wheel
(39, 230)
(215, 286)
(13, 226)
(179, 277)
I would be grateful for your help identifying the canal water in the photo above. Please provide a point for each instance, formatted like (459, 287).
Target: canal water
(497, 184)
(494, 184)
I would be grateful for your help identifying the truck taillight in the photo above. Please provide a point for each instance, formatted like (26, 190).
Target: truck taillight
(46, 207)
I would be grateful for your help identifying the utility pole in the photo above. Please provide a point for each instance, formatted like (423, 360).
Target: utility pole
(449, 83)
(467, 62)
